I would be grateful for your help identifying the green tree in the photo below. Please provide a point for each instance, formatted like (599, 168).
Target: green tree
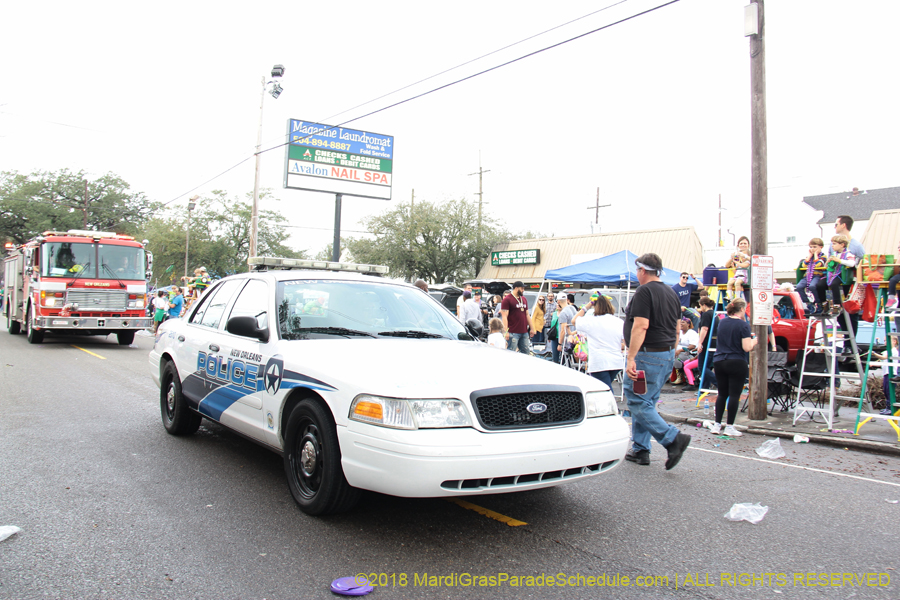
(435, 241)
(220, 238)
(63, 200)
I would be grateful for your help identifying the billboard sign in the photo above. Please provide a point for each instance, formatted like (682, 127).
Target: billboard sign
(324, 158)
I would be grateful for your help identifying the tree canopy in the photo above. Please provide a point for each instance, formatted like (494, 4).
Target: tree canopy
(438, 242)
(220, 238)
(62, 200)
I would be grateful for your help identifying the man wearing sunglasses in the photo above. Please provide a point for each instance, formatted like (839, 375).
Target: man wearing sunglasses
(683, 290)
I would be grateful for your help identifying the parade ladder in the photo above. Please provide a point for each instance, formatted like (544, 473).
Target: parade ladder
(824, 335)
(889, 366)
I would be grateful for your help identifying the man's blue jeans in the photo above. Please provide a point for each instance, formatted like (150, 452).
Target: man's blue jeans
(645, 419)
(521, 341)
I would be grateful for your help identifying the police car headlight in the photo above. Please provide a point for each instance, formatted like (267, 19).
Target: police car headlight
(600, 404)
(409, 413)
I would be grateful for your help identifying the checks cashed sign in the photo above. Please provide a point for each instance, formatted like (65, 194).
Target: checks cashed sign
(515, 257)
(324, 158)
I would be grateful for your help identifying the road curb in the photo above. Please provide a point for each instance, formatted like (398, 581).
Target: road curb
(838, 442)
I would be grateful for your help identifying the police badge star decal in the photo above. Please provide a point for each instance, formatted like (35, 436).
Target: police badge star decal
(274, 373)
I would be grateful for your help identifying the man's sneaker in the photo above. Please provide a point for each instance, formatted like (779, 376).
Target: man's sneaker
(676, 449)
(730, 430)
(689, 388)
(641, 457)
(891, 304)
(716, 428)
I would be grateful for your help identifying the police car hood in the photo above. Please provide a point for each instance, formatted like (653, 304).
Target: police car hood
(429, 368)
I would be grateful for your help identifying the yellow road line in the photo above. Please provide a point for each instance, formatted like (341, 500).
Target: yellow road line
(488, 513)
(89, 352)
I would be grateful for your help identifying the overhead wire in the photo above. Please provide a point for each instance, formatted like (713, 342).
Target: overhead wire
(441, 87)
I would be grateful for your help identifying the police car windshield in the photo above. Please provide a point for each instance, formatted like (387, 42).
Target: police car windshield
(316, 309)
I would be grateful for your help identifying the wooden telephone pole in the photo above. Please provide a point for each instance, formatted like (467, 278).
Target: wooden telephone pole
(597, 206)
(480, 172)
(759, 202)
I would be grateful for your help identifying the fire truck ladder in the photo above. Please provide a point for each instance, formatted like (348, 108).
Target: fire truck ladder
(890, 366)
(824, 336)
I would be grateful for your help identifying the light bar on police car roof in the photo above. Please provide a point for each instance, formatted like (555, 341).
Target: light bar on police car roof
(297, 263)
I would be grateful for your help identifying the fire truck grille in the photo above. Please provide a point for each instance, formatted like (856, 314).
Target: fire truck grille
(88, 300)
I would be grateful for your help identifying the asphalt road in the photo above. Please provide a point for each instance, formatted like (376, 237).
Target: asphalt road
(112, 507)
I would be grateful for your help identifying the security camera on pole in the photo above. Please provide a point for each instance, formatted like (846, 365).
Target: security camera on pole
(276, 89)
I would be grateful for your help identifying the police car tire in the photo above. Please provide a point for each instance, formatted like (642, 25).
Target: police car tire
(323, 489)
(177, 418)
(125, 338)
(34, 336)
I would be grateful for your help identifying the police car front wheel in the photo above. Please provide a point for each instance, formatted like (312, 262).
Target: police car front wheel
(312, 461)
(177, 418)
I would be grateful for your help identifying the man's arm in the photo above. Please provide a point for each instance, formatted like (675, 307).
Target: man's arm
(700, 285)
(638, 333)
(504, 314)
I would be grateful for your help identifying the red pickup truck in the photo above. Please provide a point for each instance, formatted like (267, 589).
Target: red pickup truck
(790, 324)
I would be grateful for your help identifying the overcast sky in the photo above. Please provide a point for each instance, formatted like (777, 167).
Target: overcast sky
(654, 111)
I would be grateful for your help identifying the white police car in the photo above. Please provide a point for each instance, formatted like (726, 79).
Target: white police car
(367, 384)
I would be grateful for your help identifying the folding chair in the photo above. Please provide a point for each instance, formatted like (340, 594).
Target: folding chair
(781, 391)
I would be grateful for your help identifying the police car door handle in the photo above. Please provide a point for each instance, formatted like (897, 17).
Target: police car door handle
(213, 348)
(180, 338)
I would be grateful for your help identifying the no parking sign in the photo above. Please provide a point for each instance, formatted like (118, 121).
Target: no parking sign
(763, 303)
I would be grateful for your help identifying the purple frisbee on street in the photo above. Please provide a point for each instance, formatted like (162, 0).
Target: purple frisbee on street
(351, 586)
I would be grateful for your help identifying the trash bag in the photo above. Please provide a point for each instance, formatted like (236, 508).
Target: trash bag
(771, 449)
(753, 513)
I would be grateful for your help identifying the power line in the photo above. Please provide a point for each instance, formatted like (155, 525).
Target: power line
(441, 87)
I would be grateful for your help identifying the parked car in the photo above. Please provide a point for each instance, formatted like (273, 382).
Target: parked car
(345, 375)
(446, 294)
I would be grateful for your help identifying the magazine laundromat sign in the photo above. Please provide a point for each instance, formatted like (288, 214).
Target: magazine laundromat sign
(325, 158)
(515, 257)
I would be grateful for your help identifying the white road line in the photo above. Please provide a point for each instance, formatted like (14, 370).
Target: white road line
(772, 462)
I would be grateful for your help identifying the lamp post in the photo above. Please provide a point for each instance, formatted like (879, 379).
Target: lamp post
(277, 73)
(192, 203)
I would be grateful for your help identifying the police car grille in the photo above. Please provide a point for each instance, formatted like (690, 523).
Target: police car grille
(97, 299)
(510, 411)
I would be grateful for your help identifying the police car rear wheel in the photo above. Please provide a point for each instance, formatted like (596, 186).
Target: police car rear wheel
(177, 418)
(312, 462)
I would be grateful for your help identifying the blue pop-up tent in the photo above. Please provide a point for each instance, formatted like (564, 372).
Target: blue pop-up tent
(612, 271)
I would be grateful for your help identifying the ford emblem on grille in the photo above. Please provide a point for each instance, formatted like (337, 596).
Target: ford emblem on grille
(536, 408)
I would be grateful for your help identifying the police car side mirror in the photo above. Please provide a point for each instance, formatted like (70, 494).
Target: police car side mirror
(474, 327)
(246, 326)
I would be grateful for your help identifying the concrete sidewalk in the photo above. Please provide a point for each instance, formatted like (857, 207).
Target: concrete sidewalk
(875, 436)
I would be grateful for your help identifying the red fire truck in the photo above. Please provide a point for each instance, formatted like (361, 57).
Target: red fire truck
(78, 282)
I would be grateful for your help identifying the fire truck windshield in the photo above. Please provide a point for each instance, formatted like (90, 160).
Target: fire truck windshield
(68, 259)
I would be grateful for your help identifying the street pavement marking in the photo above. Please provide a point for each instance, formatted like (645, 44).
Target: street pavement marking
(488, 513)
(773, 462)
(89, 352)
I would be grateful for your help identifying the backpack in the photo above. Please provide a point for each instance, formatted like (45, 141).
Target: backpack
(553, 333)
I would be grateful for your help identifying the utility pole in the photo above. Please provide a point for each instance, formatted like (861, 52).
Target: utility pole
(597, 206)
(719, 243)
(759, 208)
(480, 173)
(84, 212)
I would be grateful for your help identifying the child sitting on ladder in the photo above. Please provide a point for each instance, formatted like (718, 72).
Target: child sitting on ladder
(740, 262)
(840, 257)
(814, 267)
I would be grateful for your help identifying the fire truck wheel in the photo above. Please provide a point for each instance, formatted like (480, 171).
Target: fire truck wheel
(11, 326)
(126, 338)
(177, 418)
(34, 336)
